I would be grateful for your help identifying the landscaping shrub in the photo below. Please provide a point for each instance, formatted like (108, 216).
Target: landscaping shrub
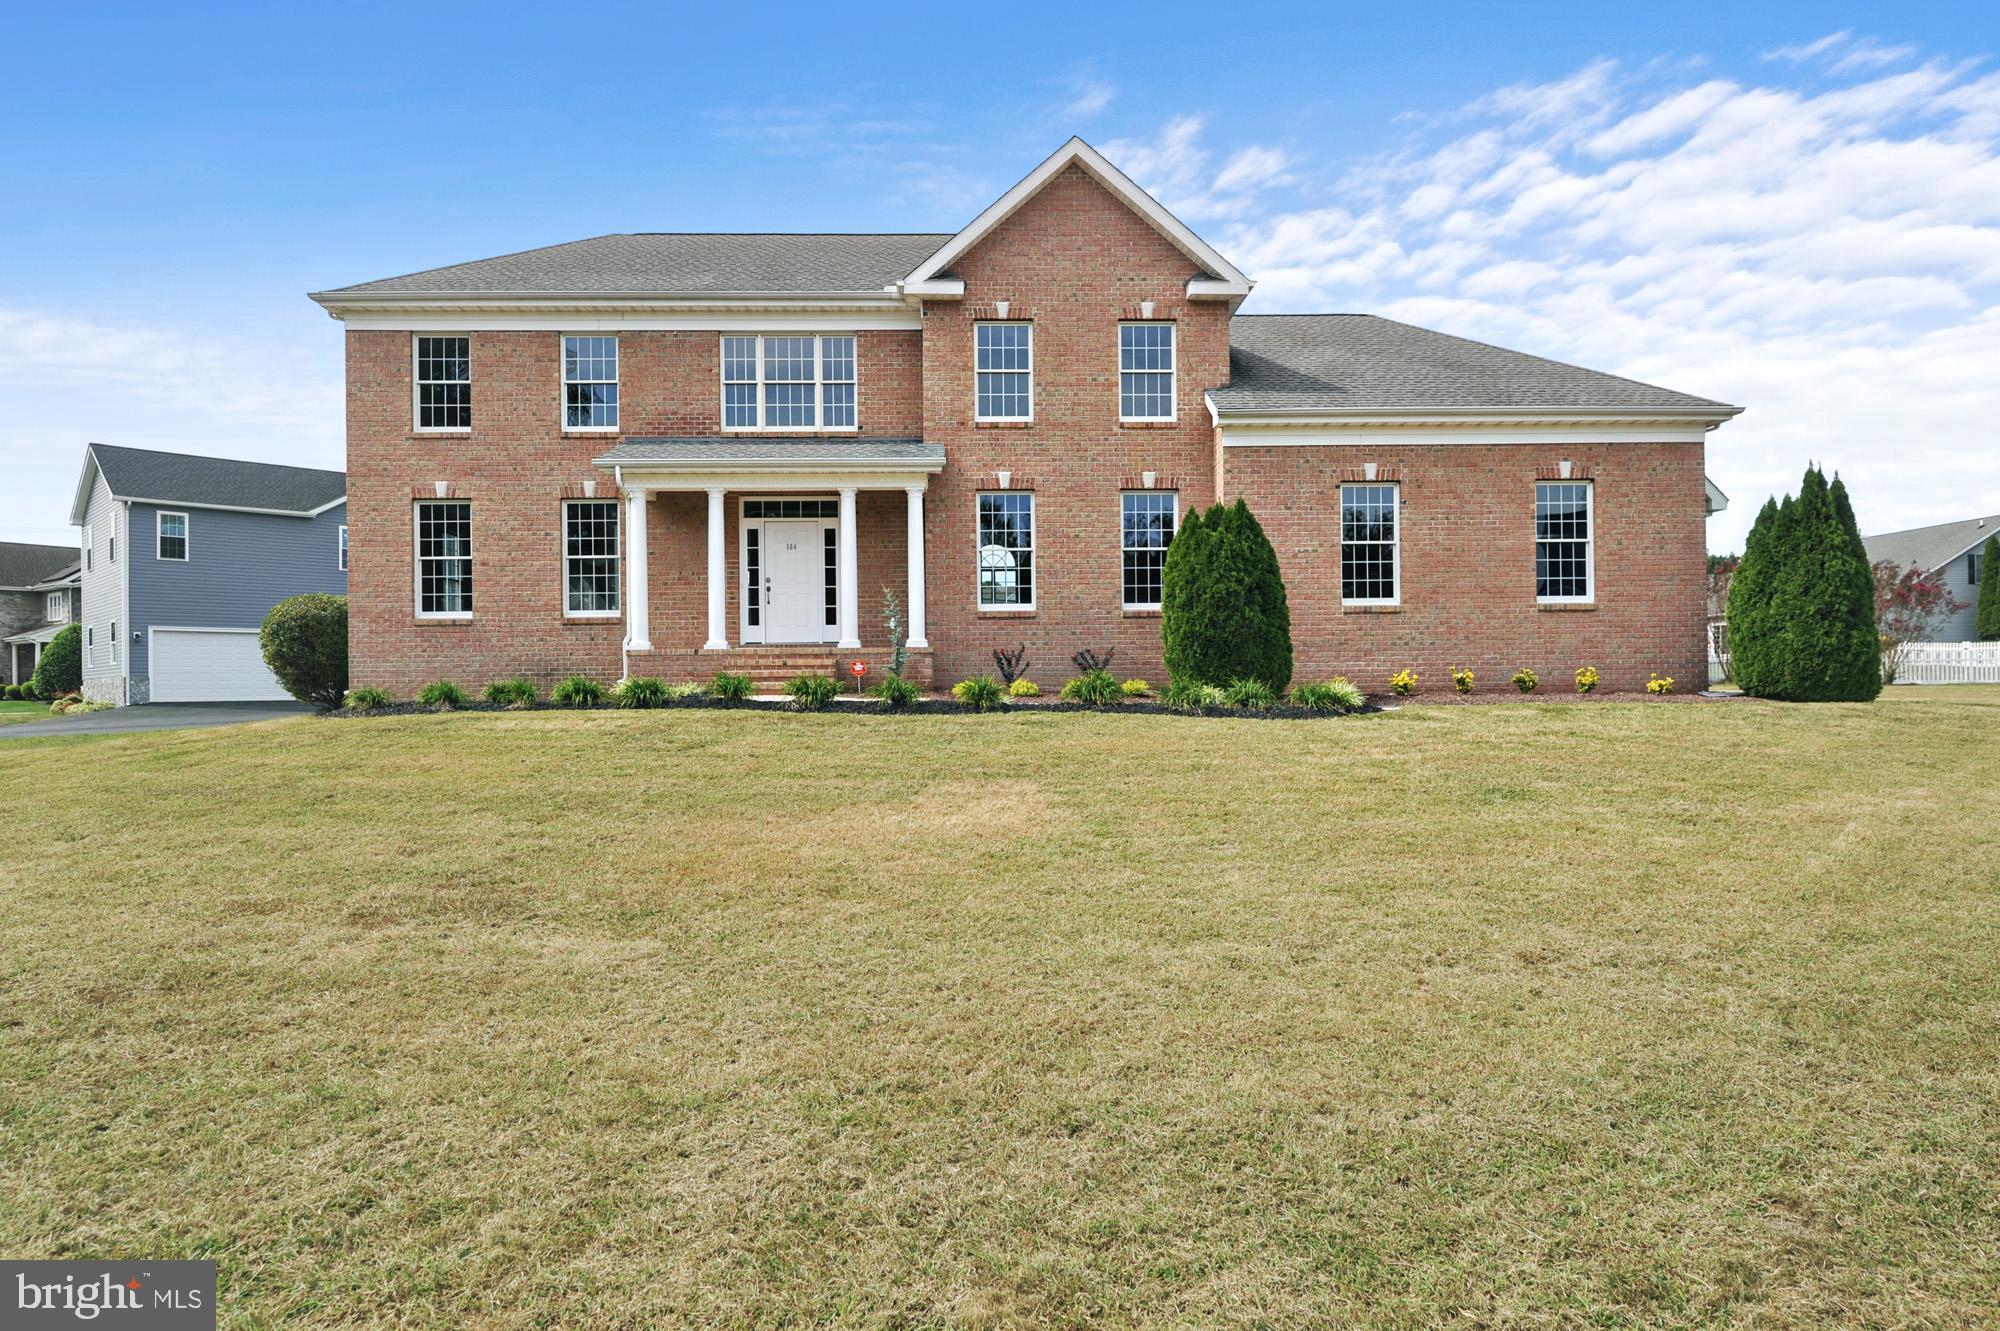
(442, 694)
(60, 670)
(1087, 660)
(1023, 688)
(1223, 614)
(1660, 684)
(1986, 621)
(511, 693)
(1252, 695)
(685, 689)
(1403, 683)
(812, 693)
(639, 692)
(305, 643)
(1463, 680)
(1586, 679)
(897, 693)
(1336, 695)
(1188, 695)
(728, 687)
(1802, 603)
(1094, 688)
(1010, 664)
(367, 699)
(1136, 688)
(1526, 680)
(577, 691)
(979, 694)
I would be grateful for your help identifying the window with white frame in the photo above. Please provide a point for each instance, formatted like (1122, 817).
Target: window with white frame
(88, 552)
(1370, 545)
(90, 643)
(444, 558)
(111, 642)
(444, 383)
(173, 536)
(590, 383)
(1007, 551)
(343, 549)
(1563, 537)
(1972, 568)
(1004, 368)
(1148, 527)
(57, 607)
(788, 383)
(590, 557)
(1145, 372)
(111, 543)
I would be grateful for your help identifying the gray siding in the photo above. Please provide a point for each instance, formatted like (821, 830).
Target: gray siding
(239, 565)
(104, 595)
(1958, 580)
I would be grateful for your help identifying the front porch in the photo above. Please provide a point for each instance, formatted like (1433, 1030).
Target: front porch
(772, 557)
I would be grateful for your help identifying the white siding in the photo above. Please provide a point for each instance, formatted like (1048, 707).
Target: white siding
(104, 598)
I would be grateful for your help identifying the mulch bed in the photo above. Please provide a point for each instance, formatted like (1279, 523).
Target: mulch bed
(874, 707)
(1486, 696)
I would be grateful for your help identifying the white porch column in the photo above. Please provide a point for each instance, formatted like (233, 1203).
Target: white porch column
(638, 606)
(916, 547)
(718, 577)
(849, 574)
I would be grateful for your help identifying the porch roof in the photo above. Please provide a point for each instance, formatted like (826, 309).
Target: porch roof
(43, 635)
(709, 453)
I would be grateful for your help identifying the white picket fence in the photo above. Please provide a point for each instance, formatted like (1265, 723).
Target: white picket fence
(1950, 663)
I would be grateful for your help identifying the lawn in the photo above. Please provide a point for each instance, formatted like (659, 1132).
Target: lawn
(1544, 1016)
(11, 712)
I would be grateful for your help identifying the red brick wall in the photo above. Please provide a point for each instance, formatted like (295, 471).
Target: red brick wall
(1468, 562)
(1076, 262)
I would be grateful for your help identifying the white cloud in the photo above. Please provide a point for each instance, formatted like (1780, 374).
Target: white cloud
(1089, 92)
(1174, 167)
(1826, 256)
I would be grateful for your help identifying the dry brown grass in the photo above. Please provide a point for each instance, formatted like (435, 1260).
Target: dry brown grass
(1537, 1016)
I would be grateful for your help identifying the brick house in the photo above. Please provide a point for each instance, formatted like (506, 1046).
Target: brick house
(673, 454)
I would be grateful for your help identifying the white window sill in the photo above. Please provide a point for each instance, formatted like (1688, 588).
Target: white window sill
(441, 429)
(791, 429)
(443, 619)
(596, 616)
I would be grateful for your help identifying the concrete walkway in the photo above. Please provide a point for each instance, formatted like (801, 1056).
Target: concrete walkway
(154, 716)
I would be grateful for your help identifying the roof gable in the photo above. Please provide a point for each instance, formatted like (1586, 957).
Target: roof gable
(1223, 281)
(25, 565)
(144, 476)
(1931, 548)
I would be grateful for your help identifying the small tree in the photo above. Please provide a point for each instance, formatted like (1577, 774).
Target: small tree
(1751, 644)
(1223, 614)
(305, 644)
(1910, 606)
(1802, 604)
(60, 669)
(1987, 623)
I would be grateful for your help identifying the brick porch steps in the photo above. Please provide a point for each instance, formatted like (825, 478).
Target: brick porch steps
(770, 668)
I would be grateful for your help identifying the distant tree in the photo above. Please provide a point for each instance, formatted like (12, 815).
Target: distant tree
(1910, 606)
(1987, 623)
(60, 669)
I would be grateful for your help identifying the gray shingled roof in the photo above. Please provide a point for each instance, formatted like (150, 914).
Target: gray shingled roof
(741, 448)
(181, 478)
(675, 263)
(1361, 362)
(24, 565)
(1931, 547)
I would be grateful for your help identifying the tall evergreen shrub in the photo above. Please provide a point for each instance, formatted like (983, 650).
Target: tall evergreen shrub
(1987, 622)
(1223, 611)
(1802, 606)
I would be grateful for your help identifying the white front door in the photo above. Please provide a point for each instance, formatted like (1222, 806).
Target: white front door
(794, 581)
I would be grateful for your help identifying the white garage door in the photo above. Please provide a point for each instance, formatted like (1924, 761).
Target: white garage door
(211, 665)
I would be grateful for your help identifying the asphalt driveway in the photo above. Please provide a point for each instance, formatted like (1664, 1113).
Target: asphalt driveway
(154, 716)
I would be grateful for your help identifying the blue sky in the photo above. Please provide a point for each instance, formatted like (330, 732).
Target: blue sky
(1796, 208)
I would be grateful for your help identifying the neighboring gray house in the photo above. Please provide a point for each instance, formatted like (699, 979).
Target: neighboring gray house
(38, 594)
(1950, 549)
(182, 559)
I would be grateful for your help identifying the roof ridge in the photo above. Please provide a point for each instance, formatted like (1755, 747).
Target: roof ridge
(464, 263)
(210, 457)
(1976, 520)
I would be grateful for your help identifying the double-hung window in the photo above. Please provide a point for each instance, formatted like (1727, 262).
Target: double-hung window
(444, 559)
(1370, 545)
(89, 553)
(1145, 372)
(1148, 526)
(1972, 565)
(56, 607)
(590, 557)
(1007, 551)
(173, 536)
(788, 383)
(590, 383)
(1004, 367)
(444, 383)
(111, 642)
(343, 548)
(1564, 532)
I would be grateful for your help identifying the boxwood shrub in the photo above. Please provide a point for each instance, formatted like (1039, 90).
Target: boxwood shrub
(305, 643)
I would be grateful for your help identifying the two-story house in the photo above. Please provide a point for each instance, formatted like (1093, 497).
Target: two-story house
(184, 556)
(670, 454)
(1952, 551)
(38, 599)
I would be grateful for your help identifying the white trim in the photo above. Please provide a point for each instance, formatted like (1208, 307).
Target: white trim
(1589, 544)
(1228, 283)
(1717, 501)
(759, 632)
(1472, 415)
(417, 560)
(89, 548)
(1943, 563)
(1028, 324)
(563, 381)
(818, 381)
(718, 574)
(558, 312)
(416, 385)
(1395, 544)
(1555, 432)
(329, 504)
(765, 469)
(1173, 372)
(160, 517)
(1034, 543)
(195, 628)
(340, 549)
(914, 550)
(1122, 547)
(61, 613)
(617, 611)
(638, 611)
